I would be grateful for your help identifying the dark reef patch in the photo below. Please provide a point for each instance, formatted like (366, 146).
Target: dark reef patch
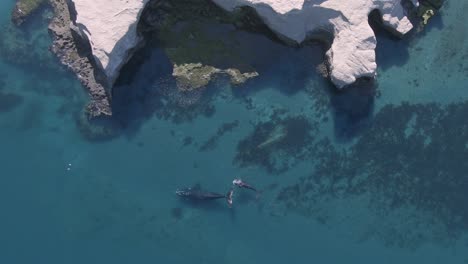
(187, 141)
(412, 157)
(9, 101)
(3, 77)
(276, 144)
(97, 129)
(352, 108)
(177, 213)
(31, 117)
(212, 142)
(28, 46)
(147, 89)
(24, 8)
(180, 106)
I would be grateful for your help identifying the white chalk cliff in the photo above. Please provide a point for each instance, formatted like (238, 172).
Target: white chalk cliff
(110, 26)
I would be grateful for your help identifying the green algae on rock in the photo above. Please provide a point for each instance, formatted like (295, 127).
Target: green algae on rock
(24, 8)
(428, 8)
(195, 75)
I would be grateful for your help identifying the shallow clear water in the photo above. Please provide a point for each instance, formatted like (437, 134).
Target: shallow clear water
(370, 175)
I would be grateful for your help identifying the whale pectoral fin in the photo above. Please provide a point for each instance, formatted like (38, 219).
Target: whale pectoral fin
(229, 195)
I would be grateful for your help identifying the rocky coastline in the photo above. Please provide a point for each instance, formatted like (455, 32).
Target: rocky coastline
(76, 55)
(97, 63)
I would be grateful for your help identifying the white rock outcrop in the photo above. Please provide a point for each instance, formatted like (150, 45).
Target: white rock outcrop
(110, 26)
(352, 53)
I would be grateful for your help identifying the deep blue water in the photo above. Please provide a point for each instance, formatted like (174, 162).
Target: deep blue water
(374, 174)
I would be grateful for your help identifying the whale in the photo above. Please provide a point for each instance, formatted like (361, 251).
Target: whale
(197, 194)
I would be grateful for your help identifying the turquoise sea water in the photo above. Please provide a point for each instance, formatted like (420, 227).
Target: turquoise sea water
(375, 174)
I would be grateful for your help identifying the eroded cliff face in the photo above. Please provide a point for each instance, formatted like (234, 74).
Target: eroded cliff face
(109, 31)
(75, 53)
(110, 27)
(352, 53)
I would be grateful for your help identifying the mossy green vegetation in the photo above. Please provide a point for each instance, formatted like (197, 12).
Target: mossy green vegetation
(428, 8)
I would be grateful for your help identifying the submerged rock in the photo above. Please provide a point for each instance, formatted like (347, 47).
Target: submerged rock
(212, 142)
(25, 8)
(97, 129)
(20, 47)
(195, 75)
(276, 135)
(239, 78)
(419, 177)
(277, 144)
(428, 8)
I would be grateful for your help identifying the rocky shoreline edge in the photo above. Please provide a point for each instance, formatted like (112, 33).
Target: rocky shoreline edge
(76, 55)
(74, 51)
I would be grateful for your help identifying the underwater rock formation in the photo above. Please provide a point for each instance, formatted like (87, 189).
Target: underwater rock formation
(195, 75)
(428, 9)
(26, 46)
(213, 140)
(25, 8)
(277, 144)
(422, 168)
